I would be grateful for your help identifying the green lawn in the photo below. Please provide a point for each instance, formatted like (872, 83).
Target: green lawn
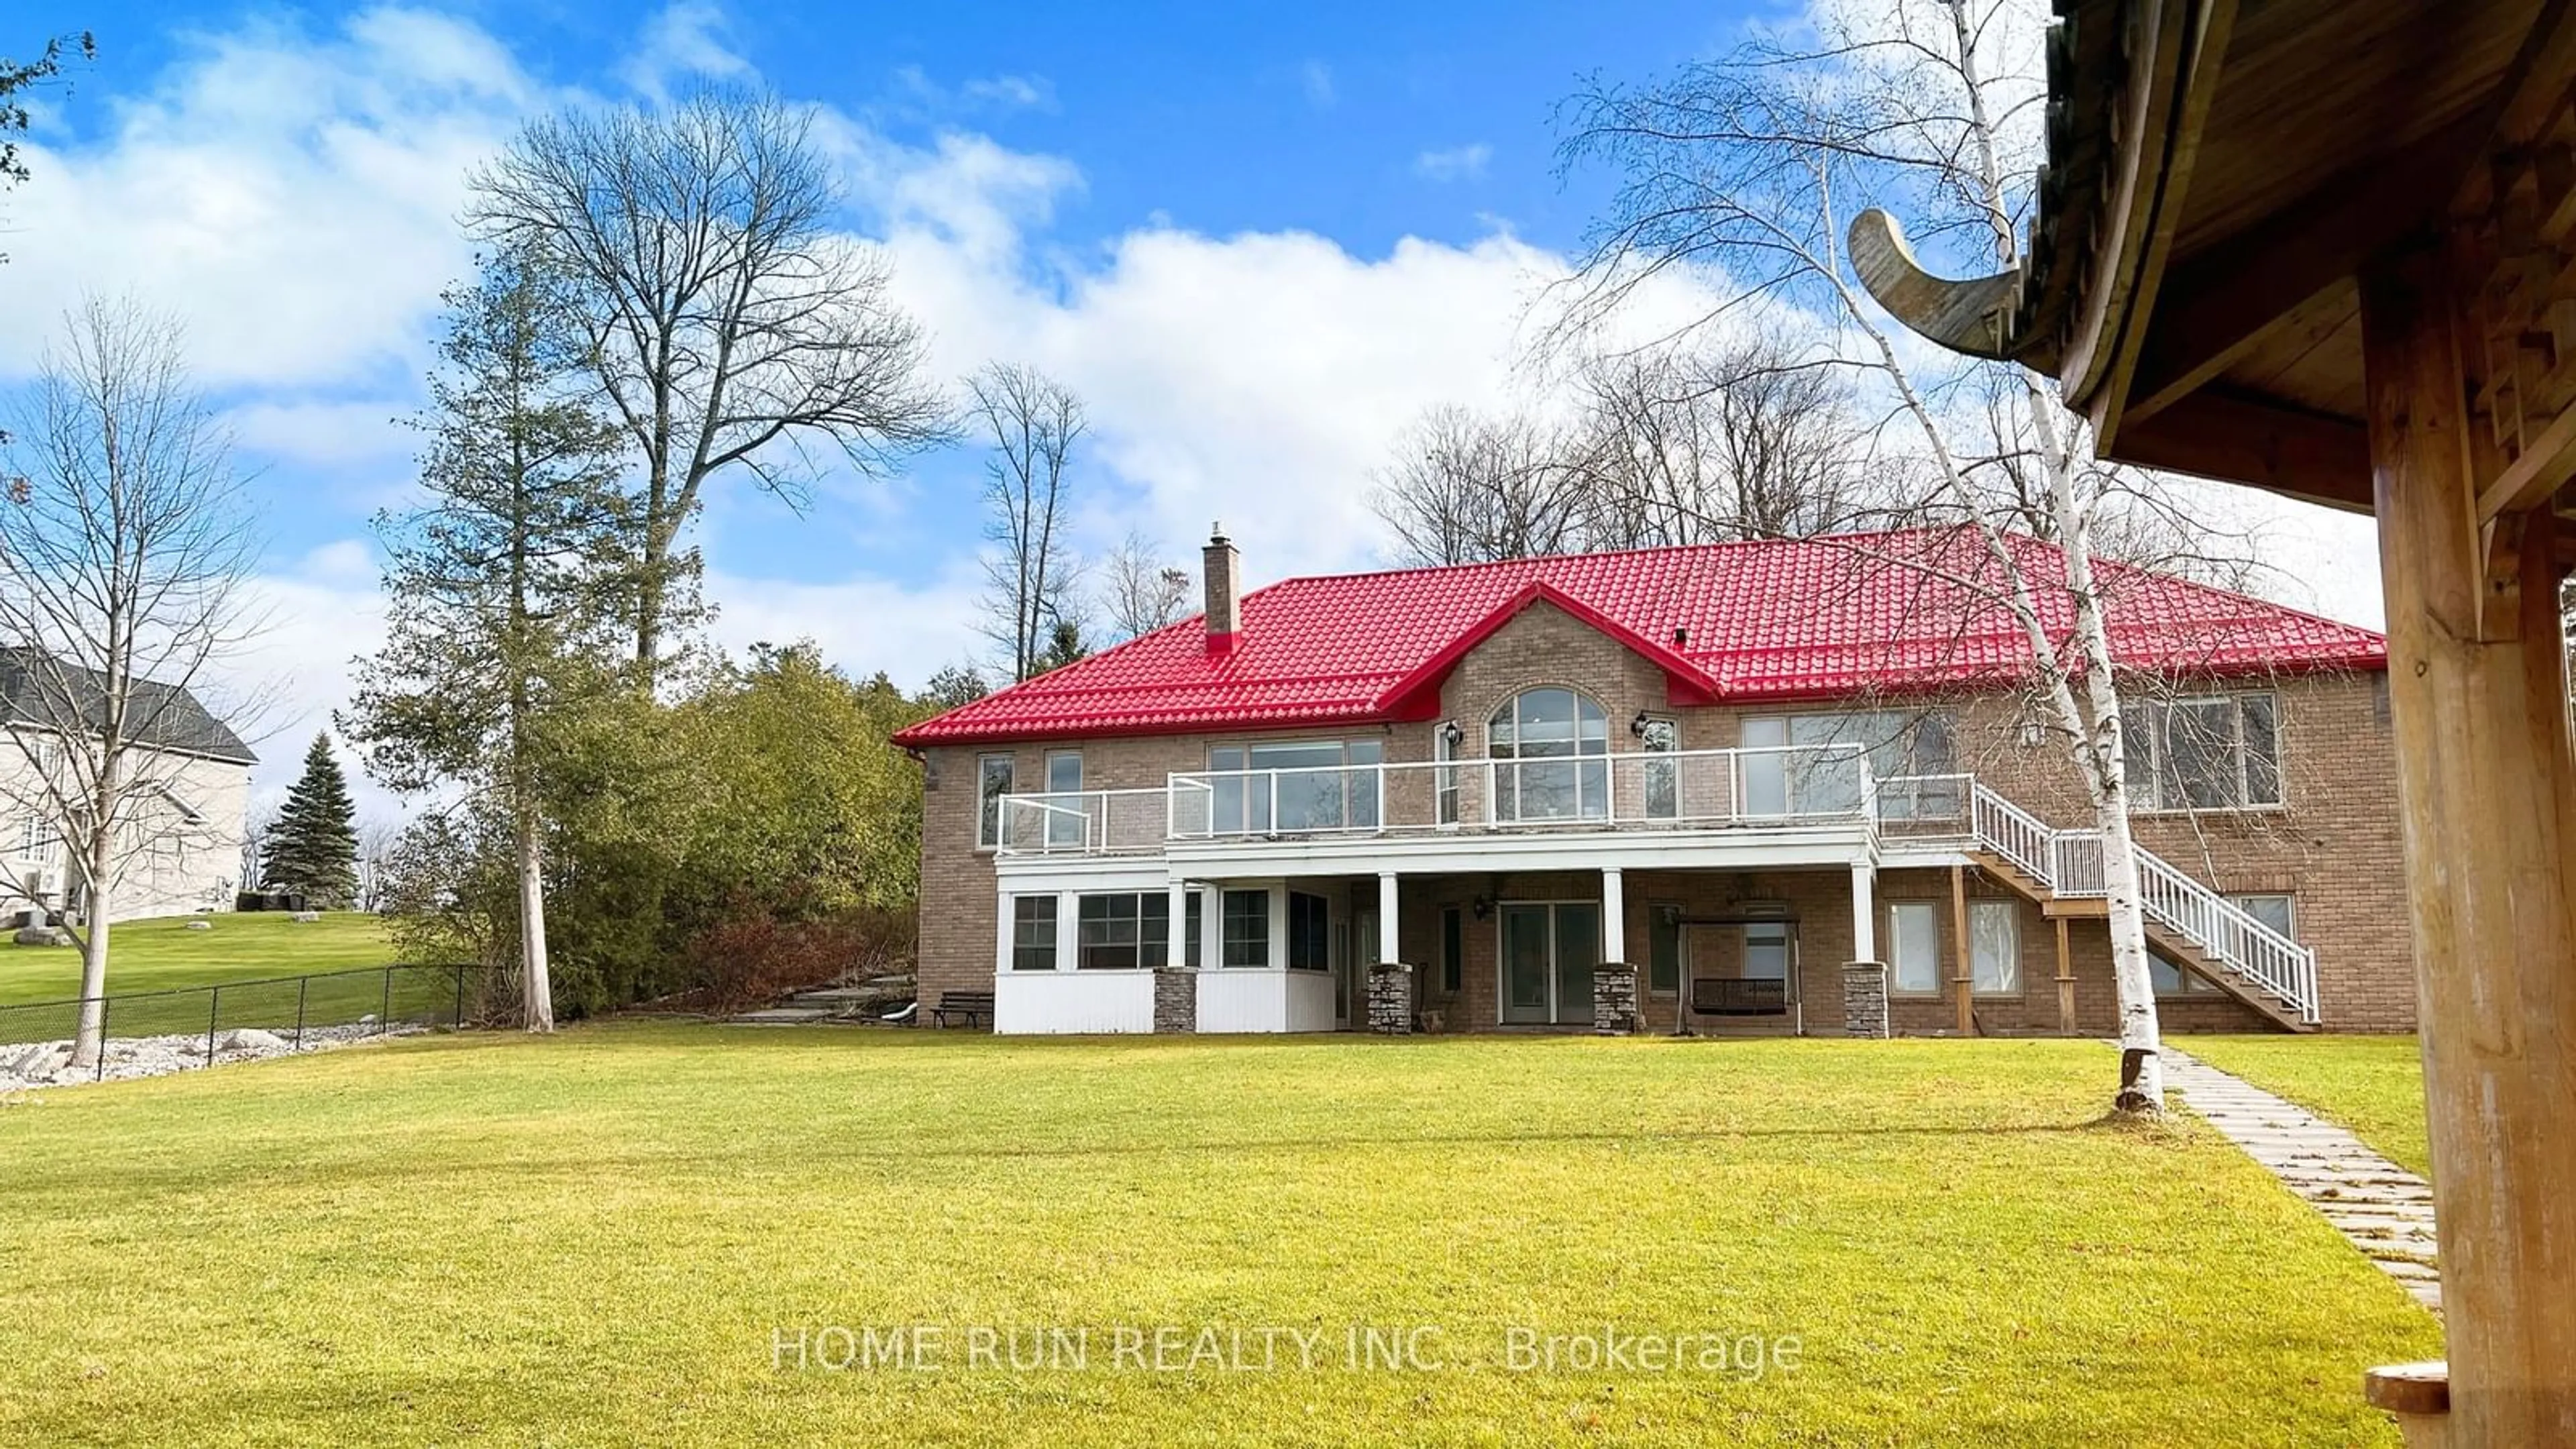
(2373, 1085)
(600, 1238)
(159, 972)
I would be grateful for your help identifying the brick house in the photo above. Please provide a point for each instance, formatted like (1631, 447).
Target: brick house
(1701, 780)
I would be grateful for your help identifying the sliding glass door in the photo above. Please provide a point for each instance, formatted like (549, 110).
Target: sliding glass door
(1548, 951)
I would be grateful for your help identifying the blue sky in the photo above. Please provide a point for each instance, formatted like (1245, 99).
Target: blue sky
(1258, 240)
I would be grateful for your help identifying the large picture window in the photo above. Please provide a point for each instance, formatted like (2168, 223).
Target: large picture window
(2217, 753)
(1295, 786)
(1795, 771)
(1064, 818)
(1553, 746)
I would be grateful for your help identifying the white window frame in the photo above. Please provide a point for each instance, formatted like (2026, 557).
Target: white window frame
(1025, 924)
(2008, 912)
(1898, 938)
(988, 807)
(1506, 762)
(1064, 792)
(2147, 726)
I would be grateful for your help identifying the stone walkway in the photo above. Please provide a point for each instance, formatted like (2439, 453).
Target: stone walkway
(2385, 1210)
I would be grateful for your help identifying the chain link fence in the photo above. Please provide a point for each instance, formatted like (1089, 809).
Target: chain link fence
(299, 1011)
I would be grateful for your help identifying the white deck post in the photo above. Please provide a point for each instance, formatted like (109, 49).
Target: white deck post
(1211, 927)
(1386, 936)
(1002, 935)
(1864, 911)
(1176, 940)
(1614, 915)
(1067, 907)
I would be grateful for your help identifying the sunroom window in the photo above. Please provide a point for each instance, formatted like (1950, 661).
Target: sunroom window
(1552, 749)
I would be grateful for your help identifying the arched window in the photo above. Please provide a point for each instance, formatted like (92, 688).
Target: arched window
(1554, 745)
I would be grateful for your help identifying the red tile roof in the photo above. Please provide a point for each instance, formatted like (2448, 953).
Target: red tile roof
(1758, 622)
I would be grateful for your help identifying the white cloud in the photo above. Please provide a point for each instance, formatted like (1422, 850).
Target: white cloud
(291, 198)
(1316, 79)
(863, 625)
(1457, 163)
(686, 41)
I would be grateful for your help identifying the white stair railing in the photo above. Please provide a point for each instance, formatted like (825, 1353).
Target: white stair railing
(2069, 863)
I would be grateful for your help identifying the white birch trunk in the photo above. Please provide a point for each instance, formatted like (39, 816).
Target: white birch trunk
(537, 986)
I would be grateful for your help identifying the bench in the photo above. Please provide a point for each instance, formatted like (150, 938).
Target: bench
(1725, 996)
(973, 1008)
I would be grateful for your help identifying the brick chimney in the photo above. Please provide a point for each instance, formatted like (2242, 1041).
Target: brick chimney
(1223, 573)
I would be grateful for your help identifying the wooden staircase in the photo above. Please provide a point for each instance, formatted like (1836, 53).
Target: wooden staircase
(2186, 922)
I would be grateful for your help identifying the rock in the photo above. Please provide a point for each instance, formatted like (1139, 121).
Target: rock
(200, 926)
(43, 936)
(305, 918)
(251, 1039)
(38, 1062)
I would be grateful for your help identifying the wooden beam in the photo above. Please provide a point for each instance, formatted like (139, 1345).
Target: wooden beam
(2065, 981)
(2242, 439)
(2286, 270)
(2530, 480)
(2487, 796)
(1963, 960)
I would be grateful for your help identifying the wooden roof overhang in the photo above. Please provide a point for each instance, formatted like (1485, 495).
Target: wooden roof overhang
(2219, 171)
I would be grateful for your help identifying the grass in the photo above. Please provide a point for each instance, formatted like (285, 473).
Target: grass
(597, 1238)
(2373, 1085)
(161, 955)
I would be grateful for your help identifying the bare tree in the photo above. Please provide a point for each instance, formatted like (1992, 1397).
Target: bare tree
(727, 323)
(1141, 591)
(125, 553)
(1469, 488)
(1030, 423)
(262, 824)
(377, 842)
(1752, 163)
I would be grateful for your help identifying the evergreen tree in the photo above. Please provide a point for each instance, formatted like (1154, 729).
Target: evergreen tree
(313, 848)
(508, 589)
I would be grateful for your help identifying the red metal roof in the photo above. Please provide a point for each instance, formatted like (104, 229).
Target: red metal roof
(1762, 621)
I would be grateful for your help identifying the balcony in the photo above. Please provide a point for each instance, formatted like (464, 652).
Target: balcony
(1773, 789)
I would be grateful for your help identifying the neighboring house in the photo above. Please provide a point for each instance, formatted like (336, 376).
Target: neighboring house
(1734, 768)
(182, 848)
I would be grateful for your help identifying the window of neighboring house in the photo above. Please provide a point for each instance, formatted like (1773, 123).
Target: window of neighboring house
(1801, 769)
(1310, 932)
(2222, 752)
(1914, 946)
(1065, 821)
(36, 838)
(1552, 747)
(1123, 932)
(1033, 933)
(1663, 950)
(1245, 928)
(1453, 949)
(1295, 786)
(993, 774)
(1994, 929)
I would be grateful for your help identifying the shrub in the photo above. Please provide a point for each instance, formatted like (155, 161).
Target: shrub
(753, 957)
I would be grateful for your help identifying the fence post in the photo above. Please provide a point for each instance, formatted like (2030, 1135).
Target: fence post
(460, 996)
(301, 984)
(385, 1011)
(214, 1003)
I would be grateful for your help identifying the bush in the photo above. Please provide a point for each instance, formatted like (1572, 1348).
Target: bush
(754, 958)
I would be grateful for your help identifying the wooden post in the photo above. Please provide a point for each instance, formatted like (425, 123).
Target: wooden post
(2065, 982)
(1963, 959)
(2477, 686)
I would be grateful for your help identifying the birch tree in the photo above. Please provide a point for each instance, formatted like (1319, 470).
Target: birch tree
(1030, 424)
(1750, 168)
(509, 587)
(126, 551)
(723, 320)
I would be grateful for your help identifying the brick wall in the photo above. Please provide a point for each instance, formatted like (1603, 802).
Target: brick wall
(2333, 845)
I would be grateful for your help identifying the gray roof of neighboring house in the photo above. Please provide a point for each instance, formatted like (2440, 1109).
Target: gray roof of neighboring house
(161, 716)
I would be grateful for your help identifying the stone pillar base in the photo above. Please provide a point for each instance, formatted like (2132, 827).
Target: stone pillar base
(1390, 999)
(1865, 999)
(1176, 1001)
(1614, 999)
